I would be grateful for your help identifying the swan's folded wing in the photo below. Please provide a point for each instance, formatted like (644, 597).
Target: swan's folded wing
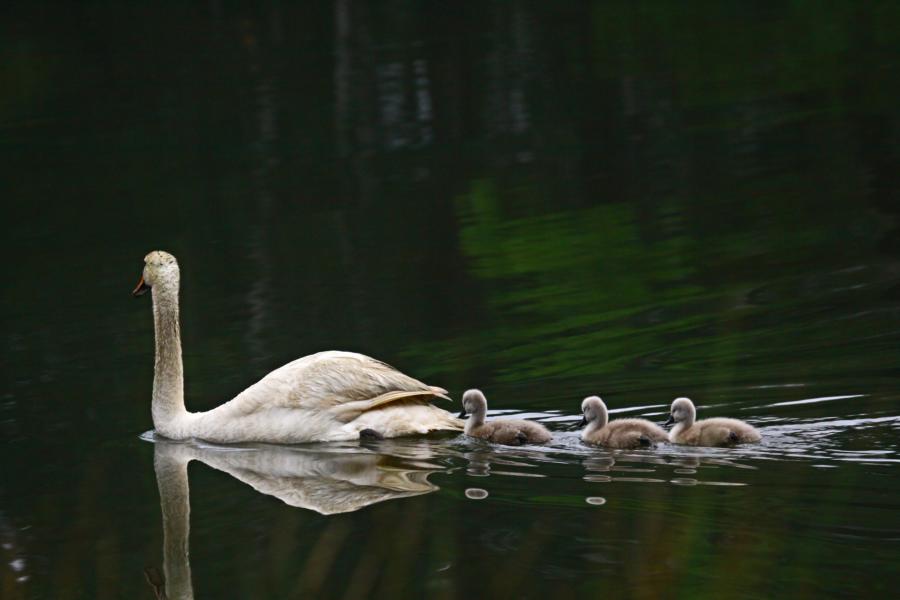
(334, 379)
(348, 411)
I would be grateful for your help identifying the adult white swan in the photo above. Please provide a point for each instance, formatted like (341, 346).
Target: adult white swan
(328, 396)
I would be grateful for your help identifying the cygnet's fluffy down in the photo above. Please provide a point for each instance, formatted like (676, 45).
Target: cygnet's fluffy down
(620, 433)
(707, 432)
(512, 432)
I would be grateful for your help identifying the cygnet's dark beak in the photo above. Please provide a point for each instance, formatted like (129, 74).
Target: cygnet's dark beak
(583, 421)
(669, 421)
(462, 414)
(141, 288)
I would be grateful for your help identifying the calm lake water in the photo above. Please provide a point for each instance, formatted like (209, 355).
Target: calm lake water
(640, 201)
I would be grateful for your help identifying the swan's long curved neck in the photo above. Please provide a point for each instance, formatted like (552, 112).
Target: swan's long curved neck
(168, 377)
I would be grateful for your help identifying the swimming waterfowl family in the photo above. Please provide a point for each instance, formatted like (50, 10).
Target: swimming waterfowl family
(512, 432)
(717, 431)
(334, 396)
(620, 433)
(329, 396)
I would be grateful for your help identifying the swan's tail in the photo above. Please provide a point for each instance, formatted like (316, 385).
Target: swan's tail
(445, 421)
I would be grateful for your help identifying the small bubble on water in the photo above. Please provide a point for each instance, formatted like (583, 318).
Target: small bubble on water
(476, 494)
(595, 500)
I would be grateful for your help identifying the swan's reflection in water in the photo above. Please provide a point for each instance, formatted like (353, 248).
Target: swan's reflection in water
(327, 480)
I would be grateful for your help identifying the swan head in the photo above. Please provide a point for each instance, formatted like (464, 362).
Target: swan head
(682, 411)
(473, 403)
(593, 409)
(160, 270)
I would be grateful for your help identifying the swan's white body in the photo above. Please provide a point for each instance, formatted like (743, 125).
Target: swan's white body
(322, 397)
(329, 396)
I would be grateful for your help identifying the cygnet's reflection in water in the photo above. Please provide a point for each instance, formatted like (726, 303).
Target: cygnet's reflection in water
(655, 467)
(336, 479)
(485, 459)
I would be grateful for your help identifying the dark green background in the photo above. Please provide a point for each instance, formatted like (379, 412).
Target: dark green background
(545, 200)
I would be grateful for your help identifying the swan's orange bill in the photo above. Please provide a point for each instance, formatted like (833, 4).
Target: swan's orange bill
(141, 288)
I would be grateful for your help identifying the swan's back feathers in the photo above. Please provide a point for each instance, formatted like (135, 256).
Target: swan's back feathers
(346, 377)
(343, 382)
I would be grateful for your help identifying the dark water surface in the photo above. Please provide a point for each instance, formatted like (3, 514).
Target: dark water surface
(636, 200)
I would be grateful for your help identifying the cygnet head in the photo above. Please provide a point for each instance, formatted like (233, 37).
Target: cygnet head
(160, 270)
(473, 403)
(682, 411)
(594, 411)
